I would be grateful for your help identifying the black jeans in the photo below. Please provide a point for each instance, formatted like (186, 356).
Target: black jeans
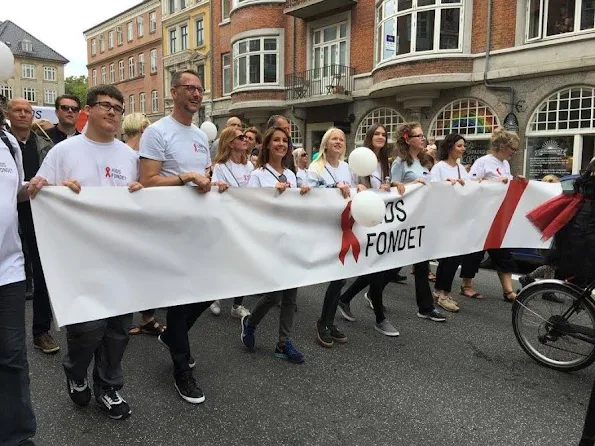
(331, 302)
(17, 420)
(470, 264)
(376, 283)
(180, 320)
(445, 273)
(42, 312)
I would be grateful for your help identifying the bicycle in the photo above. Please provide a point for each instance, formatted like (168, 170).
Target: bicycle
(554, 322)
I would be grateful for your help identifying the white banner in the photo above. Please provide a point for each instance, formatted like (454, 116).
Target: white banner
(107, 251)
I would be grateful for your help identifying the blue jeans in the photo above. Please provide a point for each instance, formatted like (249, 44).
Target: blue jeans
(17, 420)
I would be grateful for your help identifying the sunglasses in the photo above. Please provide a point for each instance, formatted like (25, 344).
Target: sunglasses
(240, 137)
(282, 178)
(72, 108)
(304, 154)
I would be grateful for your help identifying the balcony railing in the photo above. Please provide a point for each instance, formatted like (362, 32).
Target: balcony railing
(308, 9)
(335, 80)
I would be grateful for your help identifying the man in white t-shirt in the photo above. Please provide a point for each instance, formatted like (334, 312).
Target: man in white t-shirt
(17, 421)
(95, 159)
(175, 152)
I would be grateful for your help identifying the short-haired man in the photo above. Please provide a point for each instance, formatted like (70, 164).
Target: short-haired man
(234, 122)
(17, 420)
(34, 149)
(175, 152)
(95, 159)
(68, 108)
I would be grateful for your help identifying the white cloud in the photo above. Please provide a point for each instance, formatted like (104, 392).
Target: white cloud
(60, 24)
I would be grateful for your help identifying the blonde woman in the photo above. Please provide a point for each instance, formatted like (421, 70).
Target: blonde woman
(300, 161)
(233, 168)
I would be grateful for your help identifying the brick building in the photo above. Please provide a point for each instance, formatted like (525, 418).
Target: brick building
(126, 51)
(350, 63)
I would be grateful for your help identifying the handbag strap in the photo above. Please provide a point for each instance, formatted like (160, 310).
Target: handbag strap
(8, 144)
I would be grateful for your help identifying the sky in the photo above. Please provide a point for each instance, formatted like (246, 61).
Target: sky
(60, 24)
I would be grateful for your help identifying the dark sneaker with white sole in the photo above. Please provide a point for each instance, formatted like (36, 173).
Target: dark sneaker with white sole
(345, 311)
(289, 352)
(323, 335)
(433, 315)
(79, 391)
(191, 360)
(338, 336)
(247, 336)
(188, 389)
(113, 403)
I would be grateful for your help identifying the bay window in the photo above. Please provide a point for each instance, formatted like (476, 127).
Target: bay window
(256, 61)
(548, 18)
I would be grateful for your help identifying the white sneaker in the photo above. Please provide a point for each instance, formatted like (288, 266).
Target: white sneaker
(368, 300)
(386, 328)
(215, 308)
(239, 312)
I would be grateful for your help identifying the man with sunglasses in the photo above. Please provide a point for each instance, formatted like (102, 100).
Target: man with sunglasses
(68, 108)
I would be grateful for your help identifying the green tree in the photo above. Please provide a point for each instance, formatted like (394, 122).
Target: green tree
(78, 86)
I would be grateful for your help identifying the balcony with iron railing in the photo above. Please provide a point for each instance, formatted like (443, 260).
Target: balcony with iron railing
(331, 84)
(308, 9)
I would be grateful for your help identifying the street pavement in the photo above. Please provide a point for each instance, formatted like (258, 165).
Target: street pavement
(465, 382)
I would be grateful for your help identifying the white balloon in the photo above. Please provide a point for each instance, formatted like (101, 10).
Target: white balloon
(368, 208)
(209, 128)
(6, 63)
(362, 161)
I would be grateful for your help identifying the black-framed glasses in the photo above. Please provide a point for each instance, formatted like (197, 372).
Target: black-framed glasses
(72, 108)
(192, 88)
(418, 136)
(107, 106)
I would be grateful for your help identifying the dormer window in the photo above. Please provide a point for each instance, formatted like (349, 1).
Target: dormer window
(27, 45)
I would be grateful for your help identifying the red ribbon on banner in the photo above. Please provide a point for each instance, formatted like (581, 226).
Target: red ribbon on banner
(107, 172)
(349, 239)
(504, 215)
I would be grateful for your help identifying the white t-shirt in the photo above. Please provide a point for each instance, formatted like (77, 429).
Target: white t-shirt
(269, 177)
(490, 168)
(443, 171)
(181, 148)
(329, 176)
(235, 175)
(11, 180)
(90, 163)
(302, 176)
(376, 179)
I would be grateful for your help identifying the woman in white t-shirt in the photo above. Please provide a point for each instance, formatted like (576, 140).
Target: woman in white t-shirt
(300, 161)
(495, 167)
(270, 172)
(233, 168)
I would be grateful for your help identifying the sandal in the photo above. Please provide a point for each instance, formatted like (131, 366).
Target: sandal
(134, 331)
(474, 295)
(152, 328)
(507, 297)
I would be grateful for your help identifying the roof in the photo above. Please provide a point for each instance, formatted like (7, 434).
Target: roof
(12, 35)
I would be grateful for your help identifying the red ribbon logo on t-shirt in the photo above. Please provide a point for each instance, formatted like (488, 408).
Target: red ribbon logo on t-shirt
(107, 172)
(195, 147)
(498, 171)
(349, 239)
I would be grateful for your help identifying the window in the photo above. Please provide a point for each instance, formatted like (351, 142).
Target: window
(130, 67)
(141, 64)
(93, 47)
(547, 18)
(200, 70)
(255, 61)
(103, 75)
(119, 35)
(131, 103)
(142, 102)
(413, 26)
(121, 69)
(112, 74)
(200, 32)
(101, 43)
(110, 40)
(295, 134)
(29, 94)
(6, 91)
(153, 61)
(172, 6)
(28, 71)
(226, 73)
(140, 26)
(384, 116)
(94, 76)
(225, 8)
(49, 74)
(184, 36)
(154, 102)
(329, 49)
(152, 22)
(130, 31)
(182, 4)
(566, 111)
(49, 97)
(27, 46)
(172, 41)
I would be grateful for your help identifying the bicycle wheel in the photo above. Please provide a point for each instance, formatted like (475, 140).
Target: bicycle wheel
(544, 317)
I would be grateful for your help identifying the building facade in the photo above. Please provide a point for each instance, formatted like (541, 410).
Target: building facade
(39, 70)
(126, 51)
(186, 45)
(463, 66)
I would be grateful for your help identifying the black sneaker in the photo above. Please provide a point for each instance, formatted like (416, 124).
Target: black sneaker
(111, 401)
(345, 311)
(186, 386)
(433, 315)
(79, 391)
(525, 280)
(337, 335)
(323, 335)
(191, 360)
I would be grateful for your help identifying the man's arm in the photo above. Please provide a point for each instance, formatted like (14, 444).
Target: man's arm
(150, 175)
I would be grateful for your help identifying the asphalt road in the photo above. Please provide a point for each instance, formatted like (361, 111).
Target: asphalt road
(466, 382)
